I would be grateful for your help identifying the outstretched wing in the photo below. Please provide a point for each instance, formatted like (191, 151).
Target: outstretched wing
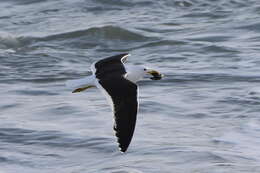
(125, 105)
(111, 66)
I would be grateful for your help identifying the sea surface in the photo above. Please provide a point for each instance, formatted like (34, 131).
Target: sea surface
(202, 117)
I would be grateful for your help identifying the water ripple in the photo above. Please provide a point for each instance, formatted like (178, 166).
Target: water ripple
(53, 139)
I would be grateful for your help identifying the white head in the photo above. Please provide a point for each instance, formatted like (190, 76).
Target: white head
(136, 73)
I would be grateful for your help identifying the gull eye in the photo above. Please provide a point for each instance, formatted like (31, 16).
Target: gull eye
(144, 69)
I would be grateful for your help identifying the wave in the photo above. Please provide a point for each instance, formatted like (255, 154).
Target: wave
(207, 77)
(245, 139)
(53, 138)
(252, 26)
(25, 2)
(13, 42)
(93, 36)
(105, 32)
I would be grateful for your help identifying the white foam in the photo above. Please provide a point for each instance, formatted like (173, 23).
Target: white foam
(8, 40)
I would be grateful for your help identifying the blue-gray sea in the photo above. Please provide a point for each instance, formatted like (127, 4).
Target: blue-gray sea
(202, 117)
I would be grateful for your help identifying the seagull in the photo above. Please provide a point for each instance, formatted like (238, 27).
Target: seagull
(117, 81)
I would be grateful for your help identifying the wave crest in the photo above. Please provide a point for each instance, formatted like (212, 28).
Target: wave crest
(105, 32)
(12, 42)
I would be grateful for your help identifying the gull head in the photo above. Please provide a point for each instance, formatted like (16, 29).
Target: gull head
(136, 73)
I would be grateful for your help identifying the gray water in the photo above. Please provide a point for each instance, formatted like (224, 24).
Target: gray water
(202, 117)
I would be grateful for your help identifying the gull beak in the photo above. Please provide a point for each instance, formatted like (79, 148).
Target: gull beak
(155, 74)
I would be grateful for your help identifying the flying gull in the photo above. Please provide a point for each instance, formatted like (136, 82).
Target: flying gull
(117, 81)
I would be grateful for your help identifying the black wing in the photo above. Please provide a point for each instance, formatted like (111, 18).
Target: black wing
(111, 66)
(124, 97)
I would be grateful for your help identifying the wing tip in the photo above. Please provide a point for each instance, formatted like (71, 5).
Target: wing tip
(122, 150)
(121, 147)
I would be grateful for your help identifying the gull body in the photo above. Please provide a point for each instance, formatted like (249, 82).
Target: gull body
(117, 81)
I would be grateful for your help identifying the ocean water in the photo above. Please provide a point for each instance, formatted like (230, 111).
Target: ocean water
(203, 116)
